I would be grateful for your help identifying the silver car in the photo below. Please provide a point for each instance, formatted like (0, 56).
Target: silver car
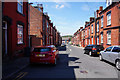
(111, 54)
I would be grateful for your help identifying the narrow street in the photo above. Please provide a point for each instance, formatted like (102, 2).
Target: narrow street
(72, 64)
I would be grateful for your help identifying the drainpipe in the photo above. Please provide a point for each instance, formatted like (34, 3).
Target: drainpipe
(0, 38)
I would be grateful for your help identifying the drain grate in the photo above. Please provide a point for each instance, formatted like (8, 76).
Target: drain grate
(83, 72)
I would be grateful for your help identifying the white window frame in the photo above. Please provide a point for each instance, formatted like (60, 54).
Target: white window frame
(98, 40)
(89, 41)
(92, 28)
(89, 31)
(109, 19)
(86, 31)
(102, 22)
(101, 38)
(109, 38)
(86, 41)
(98, 26)
(20, 6)
(20, 33)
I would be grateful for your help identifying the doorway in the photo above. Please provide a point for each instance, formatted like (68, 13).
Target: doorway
(4, 40)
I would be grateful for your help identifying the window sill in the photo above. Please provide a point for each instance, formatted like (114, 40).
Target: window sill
(108, 25)
(20, 13)
(97, 31)
(21, 44)
(108, 44)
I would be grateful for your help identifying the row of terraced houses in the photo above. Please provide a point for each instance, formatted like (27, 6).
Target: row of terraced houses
(23, 26)
(104, 29)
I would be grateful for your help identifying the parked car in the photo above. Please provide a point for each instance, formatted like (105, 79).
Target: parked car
(111, 54)
(93, 49)
(44, 54)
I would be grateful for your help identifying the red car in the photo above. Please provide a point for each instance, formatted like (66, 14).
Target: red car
(44, 54)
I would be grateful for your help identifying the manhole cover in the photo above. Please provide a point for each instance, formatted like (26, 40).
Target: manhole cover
(83, 72)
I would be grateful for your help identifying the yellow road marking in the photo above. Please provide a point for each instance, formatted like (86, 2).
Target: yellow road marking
(22, 75)
(19, 75)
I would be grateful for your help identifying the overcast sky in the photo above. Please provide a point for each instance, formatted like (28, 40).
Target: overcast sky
(68, 17)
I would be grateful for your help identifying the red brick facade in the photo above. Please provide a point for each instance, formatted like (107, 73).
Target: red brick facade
(106, 32)
(15, 26)
(36, 26)
(42, 28)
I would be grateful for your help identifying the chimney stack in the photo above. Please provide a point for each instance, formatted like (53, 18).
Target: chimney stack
(86, 23)
(100, 8)
(97, 13)
(91, 19)
(40, 6)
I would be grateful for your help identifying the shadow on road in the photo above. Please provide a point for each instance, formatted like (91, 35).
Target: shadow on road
(62, 48)
(48, 72)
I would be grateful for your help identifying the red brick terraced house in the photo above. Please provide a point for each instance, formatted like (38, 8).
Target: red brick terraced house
(14, 28)
(104, 29)
(36, 26)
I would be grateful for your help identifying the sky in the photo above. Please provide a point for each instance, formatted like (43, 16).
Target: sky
(68, 17)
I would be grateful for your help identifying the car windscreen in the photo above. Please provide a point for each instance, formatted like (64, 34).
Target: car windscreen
(41, 49)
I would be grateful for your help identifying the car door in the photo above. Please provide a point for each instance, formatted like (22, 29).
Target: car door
(106, 53)
(114, 54)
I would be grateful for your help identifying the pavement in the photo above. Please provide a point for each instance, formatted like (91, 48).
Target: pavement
(12, 67)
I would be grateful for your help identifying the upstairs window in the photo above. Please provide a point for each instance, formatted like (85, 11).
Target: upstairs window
(89, 31)
(91, 28)
(86, 31)
(102, 22)
(20, 34)
(108, 18)
(97, 26)
(20, 6)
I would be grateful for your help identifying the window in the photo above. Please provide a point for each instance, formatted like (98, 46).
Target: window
(20, 34)
(108, 49)
(92, 40)
(97, 26)
(92, 28)
(116, 49)
(86, 31)
(109, 37)
(109, 18)
(89, 41)
(20, 6)
(101, 37)
(102, 22)
(98, 40)
(89, 31)
(41, 49)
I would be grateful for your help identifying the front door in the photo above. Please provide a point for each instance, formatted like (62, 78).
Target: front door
(4, 38)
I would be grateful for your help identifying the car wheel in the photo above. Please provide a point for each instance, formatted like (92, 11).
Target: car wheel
(100, 57)
(90, 53)
(118, 64)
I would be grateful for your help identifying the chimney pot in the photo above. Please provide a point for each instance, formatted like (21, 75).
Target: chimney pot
(101, 8)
